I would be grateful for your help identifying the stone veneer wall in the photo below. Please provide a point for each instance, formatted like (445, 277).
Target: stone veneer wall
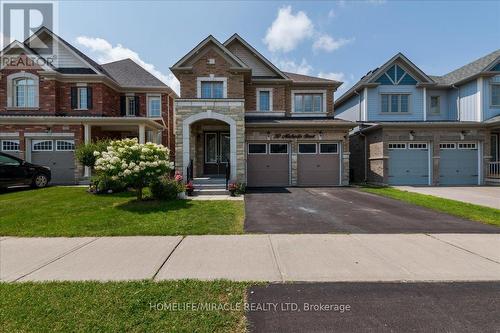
(234, 109)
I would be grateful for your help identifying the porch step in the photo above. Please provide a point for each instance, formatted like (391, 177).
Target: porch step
(211, 191)
(209, 186)
(208, 180)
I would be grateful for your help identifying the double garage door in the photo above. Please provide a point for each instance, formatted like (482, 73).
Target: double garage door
(409, 163)
(58, 155)
(269, 164)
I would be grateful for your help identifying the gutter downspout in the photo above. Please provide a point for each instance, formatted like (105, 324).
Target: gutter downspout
(458, 100)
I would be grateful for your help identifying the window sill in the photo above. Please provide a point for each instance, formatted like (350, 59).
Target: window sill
(265, 113)
(16, 108)
(395, 113)
(308, 114)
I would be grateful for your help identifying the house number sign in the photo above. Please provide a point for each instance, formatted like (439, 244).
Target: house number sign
(294, 136)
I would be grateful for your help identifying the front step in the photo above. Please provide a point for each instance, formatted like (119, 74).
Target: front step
(210, 186)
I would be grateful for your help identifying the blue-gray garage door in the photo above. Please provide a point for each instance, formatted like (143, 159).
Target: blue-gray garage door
(408, 163)
(458, 163)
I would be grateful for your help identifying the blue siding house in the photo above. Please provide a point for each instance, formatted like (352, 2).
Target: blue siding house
(420, 129)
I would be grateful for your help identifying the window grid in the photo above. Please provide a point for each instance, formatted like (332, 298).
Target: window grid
(495, 94)
(10, 145)
(397, 145)
(308, 102)
(328, 148)
(130, 106)
(467, 145)
(42, 145)
(212, 89)
(82, 98)
(24, 93)
(417, 146)
(303, 148)
(154, 109)
(264, 100)
(65, 145)
(395, 103)
(447, 145)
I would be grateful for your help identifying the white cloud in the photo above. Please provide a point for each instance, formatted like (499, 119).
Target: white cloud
(337, 76)
(377, 2)
(288, 30)
(327, 43)
(291, 66)
(106, 52)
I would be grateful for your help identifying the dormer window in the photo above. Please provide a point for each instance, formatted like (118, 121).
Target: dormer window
(24, 93)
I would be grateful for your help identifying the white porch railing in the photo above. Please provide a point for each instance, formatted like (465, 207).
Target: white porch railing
(493, 170)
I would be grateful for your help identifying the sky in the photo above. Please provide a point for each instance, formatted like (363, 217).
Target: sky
(341, 40)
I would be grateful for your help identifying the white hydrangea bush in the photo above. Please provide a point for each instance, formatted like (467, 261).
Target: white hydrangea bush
(134, 164)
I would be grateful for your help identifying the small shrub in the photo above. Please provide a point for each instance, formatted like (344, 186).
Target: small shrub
(241, 188)
(85, 152)
(166, 188)
(104, 184)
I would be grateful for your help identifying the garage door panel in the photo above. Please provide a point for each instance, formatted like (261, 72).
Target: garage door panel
(61, 164)
(268, 170)
(318, 169)
(458, 167)
(408, 167)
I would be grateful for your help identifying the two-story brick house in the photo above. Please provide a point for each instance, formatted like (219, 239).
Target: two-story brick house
(270, 128)
(53, 97)
(418, 129)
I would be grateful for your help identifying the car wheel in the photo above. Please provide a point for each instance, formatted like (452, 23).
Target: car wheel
(40, 181)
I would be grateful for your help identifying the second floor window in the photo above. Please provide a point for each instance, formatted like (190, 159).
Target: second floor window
(435, 105)
(495, 94)
(24, 93)
(131, 106)
(395, 103)
(81, 98)
(154, 106)
(264, 101)
(212, 89)
(308, 103)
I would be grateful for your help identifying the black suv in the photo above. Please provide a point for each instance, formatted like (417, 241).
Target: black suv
(15, 171)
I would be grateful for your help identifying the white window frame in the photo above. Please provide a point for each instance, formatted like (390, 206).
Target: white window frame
(447, 145)
(418, 145)
(307, 143)
(129, 98)
(394, 145)
(65, 141)
(256, 143)
(491, 94)
(149, 99)
(270, 91)
(211, 78)
(278, 143)
(438, 104)
(324, 110)
(467, 145)
(11, 99)
(34, 142)
(16, 142)
(79, 100)
(328, 143)
(389, 111)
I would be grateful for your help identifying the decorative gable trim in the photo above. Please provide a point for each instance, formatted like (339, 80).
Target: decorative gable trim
(396, 75)
(494, 66)
(384, 68)
(250, 48)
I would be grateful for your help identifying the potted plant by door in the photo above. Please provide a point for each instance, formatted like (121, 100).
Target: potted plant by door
(189, 189)
(232, 188)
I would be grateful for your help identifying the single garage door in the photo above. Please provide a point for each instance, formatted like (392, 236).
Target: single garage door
(268, 164)
(318, 164)
(58, 155)
(408, 163)
(458, 163)
(11, 147)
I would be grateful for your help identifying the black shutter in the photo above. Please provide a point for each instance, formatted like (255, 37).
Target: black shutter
(137, 103)
(123, 106)
(89, 98)
(74, 97)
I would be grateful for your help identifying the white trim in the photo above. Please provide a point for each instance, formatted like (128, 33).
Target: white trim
(479, 163)
(480, 99)
(42, 134)
(148, 98)
(396, 143)
(257, 143)
(389, 103)
(278, 143)
(9, 134)
(365, 105)
(491, 85)
(425, 102)
(307, 143)
(257, 104)
(13, 141)
(186, 133)
(473, 145)
(67, 141)
(429, 163)
(265, 113)
(312, 92)
(212, 79)
(34, 142)
(425, 145)
(447, 143)
(328, 143)
(10, 89)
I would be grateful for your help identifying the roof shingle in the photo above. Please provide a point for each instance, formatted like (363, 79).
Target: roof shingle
(127, 73)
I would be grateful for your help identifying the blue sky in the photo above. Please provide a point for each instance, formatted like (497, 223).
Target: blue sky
(338, 39)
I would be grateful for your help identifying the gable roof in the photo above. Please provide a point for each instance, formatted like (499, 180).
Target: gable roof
(256, 53)
(210, 39)
(28, 51)
(127, 73)
(470, 70)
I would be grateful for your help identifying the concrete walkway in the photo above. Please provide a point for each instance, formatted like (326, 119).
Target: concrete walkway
(488, 196)
(275, 258)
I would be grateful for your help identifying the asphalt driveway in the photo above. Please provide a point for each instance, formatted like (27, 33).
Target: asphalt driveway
(375, 307)
(345, 210)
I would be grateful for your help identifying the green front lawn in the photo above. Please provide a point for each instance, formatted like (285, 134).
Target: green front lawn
(121, 307)
(71, 211)
(452, 207)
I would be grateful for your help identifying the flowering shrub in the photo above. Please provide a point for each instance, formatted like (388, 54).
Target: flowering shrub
(136, 165)
(166, 188)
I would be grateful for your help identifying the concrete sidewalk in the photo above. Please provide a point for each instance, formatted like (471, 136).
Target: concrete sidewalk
(275, 258)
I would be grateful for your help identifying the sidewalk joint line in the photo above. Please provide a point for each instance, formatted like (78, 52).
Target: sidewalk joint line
(464, 249)
(282, 275)
(168, 257)
(62, 255)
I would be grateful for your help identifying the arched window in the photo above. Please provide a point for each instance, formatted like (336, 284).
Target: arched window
(24, 93)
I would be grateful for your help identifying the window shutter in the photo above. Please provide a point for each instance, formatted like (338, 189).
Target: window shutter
(137, 102)
(123, 106)
(74, 97)
(89, 98)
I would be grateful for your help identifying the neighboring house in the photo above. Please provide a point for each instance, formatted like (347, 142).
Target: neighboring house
(239, 113)
(53, 98)
(417, 129)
